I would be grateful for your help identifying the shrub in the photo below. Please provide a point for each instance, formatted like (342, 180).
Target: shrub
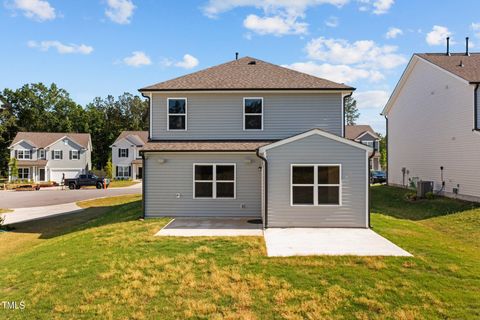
(411, 196)
(430, 195)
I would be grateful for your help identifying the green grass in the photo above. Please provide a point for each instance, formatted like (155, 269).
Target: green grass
(122, 183)
(105, 263)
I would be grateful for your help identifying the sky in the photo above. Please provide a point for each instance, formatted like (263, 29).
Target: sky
(95, 48)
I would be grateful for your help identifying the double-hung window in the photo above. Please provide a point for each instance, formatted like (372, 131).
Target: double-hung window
(41, 153)
(315, 185)
(24, 154)
(214, 181)
(252, 113)
(74, 155)
(123, 171)
(177, 113)
(23, 173)
(122, 153)
(57, 154)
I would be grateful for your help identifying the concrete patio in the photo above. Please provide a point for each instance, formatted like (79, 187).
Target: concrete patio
(211, 227)
(328, 241)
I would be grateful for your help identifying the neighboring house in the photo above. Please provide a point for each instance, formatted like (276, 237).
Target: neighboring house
(47, 156)
(433, 123)
(126, 159)
(252, 139)
(366, 135)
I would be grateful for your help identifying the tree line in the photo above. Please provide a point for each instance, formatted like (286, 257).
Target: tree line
(38, 107)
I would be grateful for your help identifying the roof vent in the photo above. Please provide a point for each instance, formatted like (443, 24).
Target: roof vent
(252, 62)
(467, 53)
(460, 64)
(448, 46)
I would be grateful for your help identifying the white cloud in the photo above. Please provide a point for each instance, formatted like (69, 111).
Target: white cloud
(120, 11)
(437, 36)
(382, 6)
(476, 28)
(373, 99)
(188, 62)
(337, 73)
(60, 47)
(281, 17)
(39, 10)
(137, 59)
(392, 33)
(332, 22)
(365, 53)
(275, 25)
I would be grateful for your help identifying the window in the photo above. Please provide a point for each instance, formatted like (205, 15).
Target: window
(315, 185)
(372, 144)
(24, 154)
(57, 155)
(23, 173)
(41, 153)
(214, 181)
(74, 155)
(123, 153)
(252, 113)
(177, 113)
(123, 171)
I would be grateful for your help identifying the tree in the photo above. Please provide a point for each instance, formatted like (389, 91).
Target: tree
(13, 168)
(351, 111)
(109, 167)
(383, 152)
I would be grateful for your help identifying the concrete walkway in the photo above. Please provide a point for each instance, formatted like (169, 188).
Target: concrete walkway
(35, 213)
(328, 241)
(211, 227)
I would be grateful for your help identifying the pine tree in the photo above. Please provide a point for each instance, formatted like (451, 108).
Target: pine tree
(351, 111)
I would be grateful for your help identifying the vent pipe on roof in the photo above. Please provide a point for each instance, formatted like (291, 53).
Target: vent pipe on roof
(448, 46)
(236, 55)
(466, 47)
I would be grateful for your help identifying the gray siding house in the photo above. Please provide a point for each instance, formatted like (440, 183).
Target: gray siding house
(50, 156)
(126, 159)
(252, 139)
(363, 133)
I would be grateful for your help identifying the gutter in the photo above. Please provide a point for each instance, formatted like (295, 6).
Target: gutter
(265, 189)
(149, 113)
(369, 193)
(343, 109)
(144, 180)
(475, 108)
(386, 146)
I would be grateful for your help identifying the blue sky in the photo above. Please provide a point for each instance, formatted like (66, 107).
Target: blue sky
(100, 47)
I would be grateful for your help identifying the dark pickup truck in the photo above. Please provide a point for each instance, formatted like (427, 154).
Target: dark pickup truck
(85, 180)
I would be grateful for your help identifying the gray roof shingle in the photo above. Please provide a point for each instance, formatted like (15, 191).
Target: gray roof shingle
(465, 67)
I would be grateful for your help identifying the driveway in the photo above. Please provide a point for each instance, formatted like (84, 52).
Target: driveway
(46, 197)
(328, 241)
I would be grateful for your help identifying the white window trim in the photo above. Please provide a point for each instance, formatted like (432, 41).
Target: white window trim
(252, 114)
(23, 169)
(123, 154)
(123, 175)
(39, 156)
(24, 151)
(55, 152)
(214, 181)
(315, 185)
(177, 114)
(78, 155)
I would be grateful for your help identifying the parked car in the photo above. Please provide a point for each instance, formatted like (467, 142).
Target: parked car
(85, 180)
(378, 177)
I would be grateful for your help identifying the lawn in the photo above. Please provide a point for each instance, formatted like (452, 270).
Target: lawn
(105, 263)
(122, 183)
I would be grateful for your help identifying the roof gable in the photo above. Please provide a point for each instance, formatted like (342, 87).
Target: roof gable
(136, 137)
(45, 139)
(247, 74)
(354, 132)
(315, 132)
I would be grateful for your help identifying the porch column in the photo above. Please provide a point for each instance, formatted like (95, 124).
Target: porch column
(134, 172)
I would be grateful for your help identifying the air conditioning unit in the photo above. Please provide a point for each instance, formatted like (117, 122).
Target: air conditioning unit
(423, 187)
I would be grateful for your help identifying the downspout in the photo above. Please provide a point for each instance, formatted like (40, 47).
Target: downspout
(144, 180)
(369, 193)
(149, 113)
(265, 188)
(386, 147)
(475, 108)
(343, 109)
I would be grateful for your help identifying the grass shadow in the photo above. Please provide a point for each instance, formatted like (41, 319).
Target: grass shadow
(392, 201)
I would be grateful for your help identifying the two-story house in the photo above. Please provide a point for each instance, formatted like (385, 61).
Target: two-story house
(48, 156)
(249, 138)
(126, 159)
(433, 124)
(363, 133)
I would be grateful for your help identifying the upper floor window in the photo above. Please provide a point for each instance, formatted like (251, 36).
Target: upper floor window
(74, 155)
(373, 144)
(41, 153)
(57, 154)
(315, 185)
(123, 153)
(177, 113)
(24, 154)
(252, 113)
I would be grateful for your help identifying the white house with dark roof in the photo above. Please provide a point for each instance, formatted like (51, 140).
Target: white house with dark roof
(251, 139)
(48, 156)
(365, 134)
(433, 124)
(126, 160)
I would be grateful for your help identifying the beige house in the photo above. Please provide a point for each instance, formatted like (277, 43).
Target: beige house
(433, 124)
(366, 135)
